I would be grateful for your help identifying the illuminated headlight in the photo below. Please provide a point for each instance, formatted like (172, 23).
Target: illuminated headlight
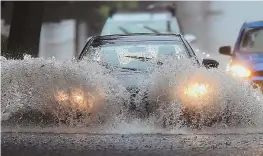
(62, 96)
(76, 98)
(83, 102)
(196, 90)
(239, 70)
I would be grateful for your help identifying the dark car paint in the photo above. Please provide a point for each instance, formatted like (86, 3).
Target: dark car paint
(131, 79)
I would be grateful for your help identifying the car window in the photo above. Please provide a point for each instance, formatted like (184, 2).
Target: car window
(125, 27)
(252, 40)
(141, 16)
(175, 26)
(135, 54)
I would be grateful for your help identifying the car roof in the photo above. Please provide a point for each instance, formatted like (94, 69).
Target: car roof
(253, 24)
(142, 37)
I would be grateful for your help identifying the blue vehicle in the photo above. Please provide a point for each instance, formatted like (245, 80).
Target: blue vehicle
(247, 56)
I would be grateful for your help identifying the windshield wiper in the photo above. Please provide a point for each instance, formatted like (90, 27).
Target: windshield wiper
(143, 59)
(124, 30)
(140, 58)
(114, 67)
(151, 29)
(127, 68)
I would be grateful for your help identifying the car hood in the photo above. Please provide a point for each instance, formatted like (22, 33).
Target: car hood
(253, 60)
(130, 78)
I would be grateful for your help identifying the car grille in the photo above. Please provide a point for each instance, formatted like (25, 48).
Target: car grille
(142, 99)
(133, 91)
(258, 73)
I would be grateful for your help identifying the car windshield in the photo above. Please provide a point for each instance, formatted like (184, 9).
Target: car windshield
(135, 54)
(252, 40)
(126, 27)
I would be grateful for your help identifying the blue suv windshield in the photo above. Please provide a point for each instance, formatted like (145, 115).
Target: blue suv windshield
(252, 40)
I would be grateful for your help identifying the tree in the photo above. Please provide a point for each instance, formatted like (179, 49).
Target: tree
(25, 29)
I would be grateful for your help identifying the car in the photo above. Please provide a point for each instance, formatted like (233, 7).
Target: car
(160, 20)
(127, 58)
(247, 55)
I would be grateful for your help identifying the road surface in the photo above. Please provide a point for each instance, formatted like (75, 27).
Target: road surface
(212, 32)
(68, 144)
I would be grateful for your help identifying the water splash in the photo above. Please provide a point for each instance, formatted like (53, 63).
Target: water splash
(31, 88)
(228, 102)
(43, 90)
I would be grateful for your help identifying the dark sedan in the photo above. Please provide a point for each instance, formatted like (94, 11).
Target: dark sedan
(133, 57)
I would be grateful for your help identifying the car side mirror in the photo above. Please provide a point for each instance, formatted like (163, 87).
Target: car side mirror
(190, 38)
(225, 50)
(210, 63)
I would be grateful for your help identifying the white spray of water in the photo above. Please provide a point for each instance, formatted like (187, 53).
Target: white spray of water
(30, 85)
(232, 99)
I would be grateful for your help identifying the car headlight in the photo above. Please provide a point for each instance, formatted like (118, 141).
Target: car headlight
(239, 70)
(76, 98)
(62, 96)
(83, 102)
(196, 90)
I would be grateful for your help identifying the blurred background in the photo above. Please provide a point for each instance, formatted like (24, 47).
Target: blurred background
(61, 28)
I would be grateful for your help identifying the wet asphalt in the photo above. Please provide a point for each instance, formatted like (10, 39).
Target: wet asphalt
(83, 144)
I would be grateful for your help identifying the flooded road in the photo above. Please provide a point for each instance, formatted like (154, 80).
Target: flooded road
(49, 91)
(30, 98)
(35, 88)
(28, 144)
